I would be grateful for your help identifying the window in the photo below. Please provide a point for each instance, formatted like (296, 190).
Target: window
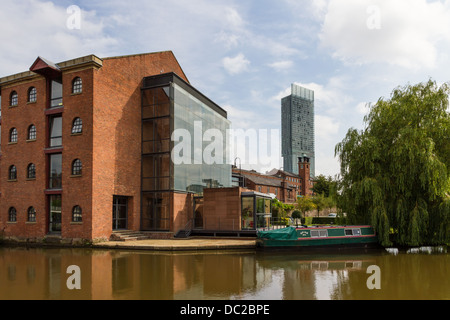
(319, 233)
(77, 85)
(31, 214)
(31, 171)
(12, 173)
(55, 171)
(13, 135)
(14, 99)
(76, 167)
(56, 131)
(31, 132)
(77, 126)
(77, 214)
(32, 94)
(12, 215)
(56, 95)
(352, 232)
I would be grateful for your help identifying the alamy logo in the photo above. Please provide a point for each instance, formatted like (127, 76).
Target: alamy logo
(74, 281)
(374, 281)
(74, 20)
(374, 20)
(214, 146)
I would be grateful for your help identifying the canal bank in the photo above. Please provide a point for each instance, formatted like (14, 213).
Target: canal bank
(190, 244)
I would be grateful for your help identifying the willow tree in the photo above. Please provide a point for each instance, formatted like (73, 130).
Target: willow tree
(395, 172)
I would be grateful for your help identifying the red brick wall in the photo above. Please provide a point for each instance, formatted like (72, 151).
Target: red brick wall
(109, 147)
(117, 133)
(22, 193)
(183, 210)
(222, 209)
(77, 190)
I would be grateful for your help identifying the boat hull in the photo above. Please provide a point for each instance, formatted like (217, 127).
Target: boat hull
(301, 239)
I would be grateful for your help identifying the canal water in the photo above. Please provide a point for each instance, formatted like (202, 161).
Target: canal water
(71, 274)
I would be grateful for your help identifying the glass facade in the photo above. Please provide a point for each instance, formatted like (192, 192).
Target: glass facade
(297, 128)
(183, 146)
(202, 162)
(256, 211)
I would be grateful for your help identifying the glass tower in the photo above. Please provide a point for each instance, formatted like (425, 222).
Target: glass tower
(184, 147)
(297, 128)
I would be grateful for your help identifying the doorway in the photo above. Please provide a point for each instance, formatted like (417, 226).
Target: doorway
(120, 213)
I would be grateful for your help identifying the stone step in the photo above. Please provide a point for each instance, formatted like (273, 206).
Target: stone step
(127, 235)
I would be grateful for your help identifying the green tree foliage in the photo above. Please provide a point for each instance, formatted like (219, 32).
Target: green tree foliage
(319, 202)
(305, 204)
(280, 209)
(394, 173)
(324, 185)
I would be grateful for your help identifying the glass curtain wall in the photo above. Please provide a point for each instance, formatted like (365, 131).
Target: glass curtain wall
(179, 122)
(156, 164)
(256, 212)
(203, 161)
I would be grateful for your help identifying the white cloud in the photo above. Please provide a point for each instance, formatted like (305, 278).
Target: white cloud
(236, 65)
(406, 33)
(282, 65)
(363, 108)
(326, 128)
(37, 28)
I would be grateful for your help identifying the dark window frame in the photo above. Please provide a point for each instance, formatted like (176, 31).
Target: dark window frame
(32, 133)
(31, 171)
(13, 135)
(52, 138)
(77, 85)
(32, 95)
(77, 126)
(31, 214)
(55, 178)
(12, 215)
(77, 214)
(14, 99)
(77, 167)
(12, 173)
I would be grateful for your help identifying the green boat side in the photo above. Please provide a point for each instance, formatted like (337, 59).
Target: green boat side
(315, 237)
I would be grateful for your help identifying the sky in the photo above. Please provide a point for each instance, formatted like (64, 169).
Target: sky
(244, 55)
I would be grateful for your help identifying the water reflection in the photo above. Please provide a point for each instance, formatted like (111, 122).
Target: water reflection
(42, 274)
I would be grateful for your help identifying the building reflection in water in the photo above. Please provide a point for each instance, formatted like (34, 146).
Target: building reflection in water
(41, 274)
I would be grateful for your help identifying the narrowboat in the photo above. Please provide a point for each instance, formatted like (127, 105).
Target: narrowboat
(318, 237)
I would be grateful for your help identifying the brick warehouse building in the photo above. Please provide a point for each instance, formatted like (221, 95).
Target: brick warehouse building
(85, 147)
(283, 185)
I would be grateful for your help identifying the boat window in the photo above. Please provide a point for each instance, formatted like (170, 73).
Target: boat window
(319, 233)
(352, 232)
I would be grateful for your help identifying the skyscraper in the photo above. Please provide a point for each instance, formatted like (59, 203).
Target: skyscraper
(297, 128)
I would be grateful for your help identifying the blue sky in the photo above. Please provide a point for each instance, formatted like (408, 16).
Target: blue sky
(244, 55)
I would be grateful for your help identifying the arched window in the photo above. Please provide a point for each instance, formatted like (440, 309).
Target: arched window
(32, 94)
(77, 126)
(14, 99)
(31, 171)
(12, 215)
(31, 214)
(77, 85)
(31, 132)
(12, 174)
(77, 214)
(13, 135)
(77, 167)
